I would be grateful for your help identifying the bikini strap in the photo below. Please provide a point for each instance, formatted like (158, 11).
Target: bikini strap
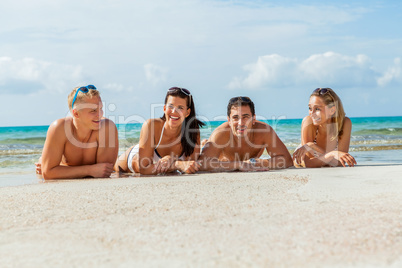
(160, 139)
(316, 134)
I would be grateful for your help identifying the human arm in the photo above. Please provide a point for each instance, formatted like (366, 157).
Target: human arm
(308, 148)
(280, 156)
(189, 165)
(337, 157)
(210, 156)
(342, 155)
(53, 151)
(168, 163)
(108, 143)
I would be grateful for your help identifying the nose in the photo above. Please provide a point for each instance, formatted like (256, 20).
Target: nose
(241, 121)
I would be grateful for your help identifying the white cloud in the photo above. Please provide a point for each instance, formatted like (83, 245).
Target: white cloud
(270, 69)
(29, 75)
(155, 74)
(115, 87)
(393, 74)
(327, 69)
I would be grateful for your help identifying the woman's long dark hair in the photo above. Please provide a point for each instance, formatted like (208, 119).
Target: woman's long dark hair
(190, 130)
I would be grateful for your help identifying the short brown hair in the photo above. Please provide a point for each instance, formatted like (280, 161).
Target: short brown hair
(241, 101)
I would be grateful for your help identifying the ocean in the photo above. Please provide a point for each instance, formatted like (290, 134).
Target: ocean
(375, 140)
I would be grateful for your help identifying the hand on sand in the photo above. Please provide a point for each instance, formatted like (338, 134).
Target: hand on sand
(38, 168)
(300, 153)
(258, 165)
(163, 165)
(344, 158)
(188, 167)
(101, 170)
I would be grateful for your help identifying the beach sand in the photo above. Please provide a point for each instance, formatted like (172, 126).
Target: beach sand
(329, 217)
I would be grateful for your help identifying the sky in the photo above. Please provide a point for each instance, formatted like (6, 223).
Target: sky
(275, 52)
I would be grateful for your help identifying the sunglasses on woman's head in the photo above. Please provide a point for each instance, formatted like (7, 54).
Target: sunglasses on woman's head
(182, 90)
(321, 91)
(83, 90)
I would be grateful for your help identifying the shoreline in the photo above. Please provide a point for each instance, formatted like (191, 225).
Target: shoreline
(328, 217)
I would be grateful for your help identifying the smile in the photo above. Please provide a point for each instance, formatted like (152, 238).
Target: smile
(174, 117)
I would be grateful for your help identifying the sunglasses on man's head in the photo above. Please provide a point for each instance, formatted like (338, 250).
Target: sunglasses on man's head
(83, 90)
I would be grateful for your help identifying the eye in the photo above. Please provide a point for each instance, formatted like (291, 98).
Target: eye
(170, 106)
(180, 108)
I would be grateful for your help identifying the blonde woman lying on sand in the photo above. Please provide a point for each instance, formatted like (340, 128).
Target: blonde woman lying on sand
(167, 144)
(325, 133)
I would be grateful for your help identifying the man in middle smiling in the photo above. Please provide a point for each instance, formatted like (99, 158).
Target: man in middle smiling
(238, 143)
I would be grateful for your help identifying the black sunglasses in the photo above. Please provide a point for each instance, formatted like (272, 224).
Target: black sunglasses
(321, 91)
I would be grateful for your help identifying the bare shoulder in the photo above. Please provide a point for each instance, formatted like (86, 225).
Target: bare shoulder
(155, 123)
(307, 121)
(107, 124)
(307, 124)
(347, 121)
(262, 125)
(347, 125)
(263, 130)
(59, 126)
(220, 133)
(58, 130)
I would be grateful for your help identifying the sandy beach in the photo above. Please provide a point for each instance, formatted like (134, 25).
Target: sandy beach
(330, 217)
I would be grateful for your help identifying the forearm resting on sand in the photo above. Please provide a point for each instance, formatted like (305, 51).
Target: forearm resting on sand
(189, 167)
(100, 170)
(213, 164)
(276, 162)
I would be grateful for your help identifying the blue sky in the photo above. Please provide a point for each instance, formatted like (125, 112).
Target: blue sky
(275, 52)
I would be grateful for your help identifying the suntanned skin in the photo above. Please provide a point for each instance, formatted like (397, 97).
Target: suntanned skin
(85, 145)
(233, 143)
(170, 148)
(325, 148)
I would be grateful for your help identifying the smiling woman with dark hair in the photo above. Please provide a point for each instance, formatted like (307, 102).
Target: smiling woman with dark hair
(168, 143)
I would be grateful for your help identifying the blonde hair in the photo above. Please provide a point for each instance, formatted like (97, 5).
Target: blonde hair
(80, 96)
(331, 99)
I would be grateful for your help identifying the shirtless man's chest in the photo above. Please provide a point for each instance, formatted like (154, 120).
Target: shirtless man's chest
(80, 154)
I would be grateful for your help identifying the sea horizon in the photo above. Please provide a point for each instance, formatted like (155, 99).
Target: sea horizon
(351, 117)
(374, 140)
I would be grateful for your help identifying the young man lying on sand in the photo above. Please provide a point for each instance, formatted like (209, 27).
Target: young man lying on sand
(238, 143)
(84, 145)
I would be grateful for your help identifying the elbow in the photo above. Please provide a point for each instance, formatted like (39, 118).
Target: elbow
(145, 171)
(289, 161)
(47, 175)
